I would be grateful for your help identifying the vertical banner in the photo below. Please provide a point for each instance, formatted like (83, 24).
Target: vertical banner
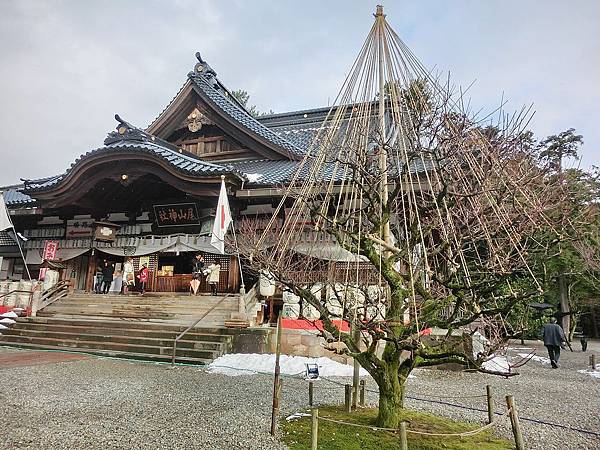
(50, 249)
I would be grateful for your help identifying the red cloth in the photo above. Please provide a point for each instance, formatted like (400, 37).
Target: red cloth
(143, 276)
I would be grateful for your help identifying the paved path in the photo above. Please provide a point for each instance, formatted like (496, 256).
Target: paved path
(14, 358)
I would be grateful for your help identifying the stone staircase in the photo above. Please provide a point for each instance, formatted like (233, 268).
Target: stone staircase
(129, 326)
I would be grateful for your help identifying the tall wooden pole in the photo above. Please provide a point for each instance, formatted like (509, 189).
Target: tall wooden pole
(276, 381)
(383, 166)
(356, 373)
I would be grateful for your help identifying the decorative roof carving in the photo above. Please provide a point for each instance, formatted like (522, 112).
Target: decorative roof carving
(127, 132)
(204, 69)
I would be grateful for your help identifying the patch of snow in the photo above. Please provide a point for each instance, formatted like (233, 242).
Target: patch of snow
(520, 348)
(10, 315)
(253, 177)
(592, 373)
(2, 327)
(248, 364)
(539, 359)
(497, 364)
(7, 321)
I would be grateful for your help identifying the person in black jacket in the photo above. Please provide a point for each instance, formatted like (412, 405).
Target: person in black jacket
(107, 277)
(553, 336)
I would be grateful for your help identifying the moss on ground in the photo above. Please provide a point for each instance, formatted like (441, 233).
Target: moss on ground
(333, 436)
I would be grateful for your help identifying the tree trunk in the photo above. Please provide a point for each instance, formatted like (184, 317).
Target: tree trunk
(564, 304)
(391, 401)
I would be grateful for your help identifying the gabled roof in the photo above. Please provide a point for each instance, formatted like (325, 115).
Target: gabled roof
(14, 196)
(204, 82)
(130, 140)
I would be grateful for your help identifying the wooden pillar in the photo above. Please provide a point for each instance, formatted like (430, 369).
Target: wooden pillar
(233, 283)
(89, 282)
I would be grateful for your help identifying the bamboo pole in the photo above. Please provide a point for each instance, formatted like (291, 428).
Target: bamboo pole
(314, 429)
(514, 421)
(490, 403)
(593, 361)
(276, 381)
(356, 373)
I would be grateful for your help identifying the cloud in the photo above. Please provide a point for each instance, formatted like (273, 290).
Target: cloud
(68, 66)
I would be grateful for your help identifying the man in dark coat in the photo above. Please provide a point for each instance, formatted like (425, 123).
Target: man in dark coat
(107, 277)
(553, 336)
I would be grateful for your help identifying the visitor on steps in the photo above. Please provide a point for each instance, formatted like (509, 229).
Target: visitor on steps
(197, 273)
(128, 275)
(98, 284)
(143, 277)
(107, 277)
(213, 277)
(553, 336)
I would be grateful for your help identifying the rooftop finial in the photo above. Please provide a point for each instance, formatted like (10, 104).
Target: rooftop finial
(203, 67)
(379, 11)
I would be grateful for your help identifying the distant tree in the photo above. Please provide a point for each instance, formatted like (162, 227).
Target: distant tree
(243, 97)
(556, 148)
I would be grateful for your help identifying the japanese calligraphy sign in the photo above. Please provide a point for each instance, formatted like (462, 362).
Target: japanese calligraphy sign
(49, 254)
(176, 214)
(80, 228)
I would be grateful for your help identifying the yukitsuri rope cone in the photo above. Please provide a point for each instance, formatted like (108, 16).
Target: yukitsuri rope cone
(406, 214)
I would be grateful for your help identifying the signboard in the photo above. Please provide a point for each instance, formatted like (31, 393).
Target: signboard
(105, 232)
(49, 254)
(144, 260)
(176, 215)
(80, 228)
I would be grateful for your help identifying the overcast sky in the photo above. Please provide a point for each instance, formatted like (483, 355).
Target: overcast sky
(68, 66)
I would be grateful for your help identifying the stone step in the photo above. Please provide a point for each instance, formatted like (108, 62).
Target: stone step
(149, 301)
(138, 314)
(115, 354)
(109, 346)
(108, 331)
(90, 321)
(74, 335)
(182, 309)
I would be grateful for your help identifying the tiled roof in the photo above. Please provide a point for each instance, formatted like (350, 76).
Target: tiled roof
(6, 239)
(267, 172)
(13, 195)
(135, 140)
(206, 82)
(300, 127)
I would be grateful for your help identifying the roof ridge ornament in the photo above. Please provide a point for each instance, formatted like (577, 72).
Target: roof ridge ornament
(127, 132)
(203, 68)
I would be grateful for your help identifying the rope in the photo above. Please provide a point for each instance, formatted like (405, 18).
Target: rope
(471, 408)
(424, 433)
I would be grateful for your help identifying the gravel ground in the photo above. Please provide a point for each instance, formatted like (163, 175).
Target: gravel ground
(114, 404)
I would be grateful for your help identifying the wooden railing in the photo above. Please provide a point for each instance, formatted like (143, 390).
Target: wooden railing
(251, 299)
(49, 296)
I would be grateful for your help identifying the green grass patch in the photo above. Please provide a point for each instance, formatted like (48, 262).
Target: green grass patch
(333, 436)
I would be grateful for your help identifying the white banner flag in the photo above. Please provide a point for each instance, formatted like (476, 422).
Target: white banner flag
(222, 221)
(5, 222)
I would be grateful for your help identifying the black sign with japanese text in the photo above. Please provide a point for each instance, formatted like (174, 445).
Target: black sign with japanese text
(178, 214)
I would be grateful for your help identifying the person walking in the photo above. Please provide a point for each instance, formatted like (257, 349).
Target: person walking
(128, 275)
(553, 336)
(213, 277)
(143, 277)
(107, 277)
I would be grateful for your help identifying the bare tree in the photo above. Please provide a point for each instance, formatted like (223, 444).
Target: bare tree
(425, 216)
